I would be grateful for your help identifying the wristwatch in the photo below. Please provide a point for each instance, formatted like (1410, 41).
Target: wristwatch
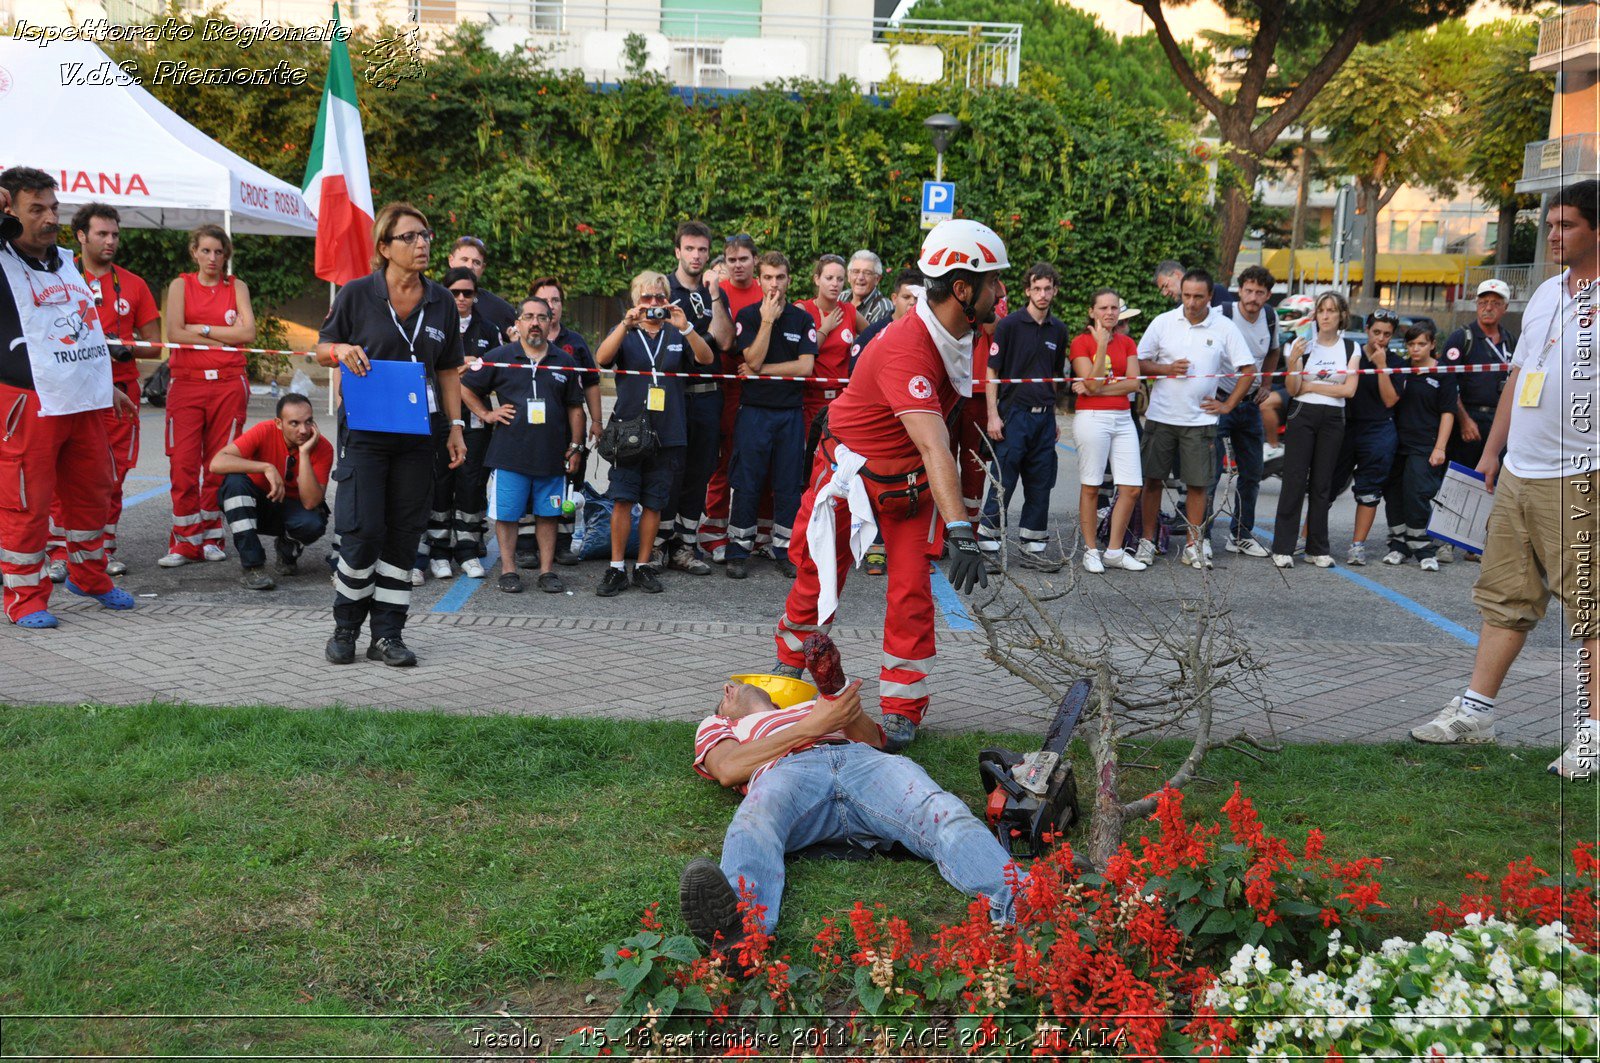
(456, 422)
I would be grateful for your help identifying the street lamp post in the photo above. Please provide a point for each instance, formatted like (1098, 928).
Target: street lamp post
(941, 126)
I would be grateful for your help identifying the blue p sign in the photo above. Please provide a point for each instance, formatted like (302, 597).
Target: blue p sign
(938, 202)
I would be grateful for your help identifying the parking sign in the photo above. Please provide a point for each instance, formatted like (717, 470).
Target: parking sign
(938, 202)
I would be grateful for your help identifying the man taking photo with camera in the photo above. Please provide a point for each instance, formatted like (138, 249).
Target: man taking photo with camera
(127, 311)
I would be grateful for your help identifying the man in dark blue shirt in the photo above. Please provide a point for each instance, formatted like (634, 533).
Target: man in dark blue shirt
(540, 420)
(778, 340)
(576, 347)
(700, 298)
(1032, 342)
(1483, 342)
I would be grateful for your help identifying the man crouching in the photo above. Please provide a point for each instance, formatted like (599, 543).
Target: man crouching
(811, 774)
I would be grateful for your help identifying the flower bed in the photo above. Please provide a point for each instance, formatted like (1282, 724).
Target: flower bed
(1123, 963)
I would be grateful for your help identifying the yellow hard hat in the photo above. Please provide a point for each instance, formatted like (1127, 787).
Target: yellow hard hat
(785, 692)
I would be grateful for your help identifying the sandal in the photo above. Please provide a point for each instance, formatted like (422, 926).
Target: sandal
(876, 562)
(510, 582)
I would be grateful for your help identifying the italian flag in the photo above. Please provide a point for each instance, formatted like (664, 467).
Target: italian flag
(337, 187)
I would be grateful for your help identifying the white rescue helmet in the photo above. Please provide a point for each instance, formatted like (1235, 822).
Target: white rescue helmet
(962, 244)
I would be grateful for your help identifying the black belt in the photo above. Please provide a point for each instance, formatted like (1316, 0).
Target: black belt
(1471, 407)
(701, 389)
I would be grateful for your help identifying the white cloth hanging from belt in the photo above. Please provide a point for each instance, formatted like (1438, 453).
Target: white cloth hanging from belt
(846, 482)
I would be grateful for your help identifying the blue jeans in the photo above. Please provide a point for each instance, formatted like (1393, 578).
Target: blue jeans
(1026, 453)
(1365, 459)
(856, 792)
(1242, 428)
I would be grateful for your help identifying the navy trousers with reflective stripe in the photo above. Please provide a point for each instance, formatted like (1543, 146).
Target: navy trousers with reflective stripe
(249, 514)
(384, 483)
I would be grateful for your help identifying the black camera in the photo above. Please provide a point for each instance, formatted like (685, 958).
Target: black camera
(656, 313)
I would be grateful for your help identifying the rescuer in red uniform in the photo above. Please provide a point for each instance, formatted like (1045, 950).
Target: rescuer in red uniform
(55, 381)
(210, 392)
(886, 463)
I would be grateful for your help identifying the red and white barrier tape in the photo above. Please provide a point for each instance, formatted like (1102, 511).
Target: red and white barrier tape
(1392, 370)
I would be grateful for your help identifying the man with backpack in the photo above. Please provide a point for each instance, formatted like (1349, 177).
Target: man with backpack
(1241, 426)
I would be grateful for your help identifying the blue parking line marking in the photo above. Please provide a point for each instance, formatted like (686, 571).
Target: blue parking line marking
(1443, 623)
(465, 586)
(145, 496)
(949, 602)
(1068, 447)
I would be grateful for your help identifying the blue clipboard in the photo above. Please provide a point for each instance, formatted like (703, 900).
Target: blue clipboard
(392, 397)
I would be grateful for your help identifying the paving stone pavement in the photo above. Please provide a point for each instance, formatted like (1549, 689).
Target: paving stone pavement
(650, 669)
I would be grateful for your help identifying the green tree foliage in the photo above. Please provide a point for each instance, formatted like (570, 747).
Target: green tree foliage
(1507, 107)
(1389, 114)
(561, 178)
(1063, 43)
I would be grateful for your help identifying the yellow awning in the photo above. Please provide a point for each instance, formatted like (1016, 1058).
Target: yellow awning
(1317, 265)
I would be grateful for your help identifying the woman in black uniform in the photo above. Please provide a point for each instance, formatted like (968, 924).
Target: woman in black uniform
(385, 479)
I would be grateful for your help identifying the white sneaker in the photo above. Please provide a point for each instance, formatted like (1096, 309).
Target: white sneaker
(1246, 546)
(1577, 761)
(472, 568)
(1146, 552)
(57, 572)
(1283, 560)
(1270, 453)
(440, 567)
(1455, 724)
(1300, 546)
(1430, 564)
(418, 577)
(1395, 557)
(1447, 554)
(1357, 554)
(173, 560)
(1206, 551)
(1092, 562)
(1192, 556)
(1124, 560)
(1320, 560)
(213, 552)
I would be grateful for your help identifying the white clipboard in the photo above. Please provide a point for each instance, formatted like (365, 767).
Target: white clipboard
(1461, 509)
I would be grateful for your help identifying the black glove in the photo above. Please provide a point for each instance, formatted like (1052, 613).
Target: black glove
(967, 569)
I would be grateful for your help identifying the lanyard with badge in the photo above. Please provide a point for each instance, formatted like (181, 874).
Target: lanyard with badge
(411, 346)
(1532, 380)
(536, 404)
(656, 398)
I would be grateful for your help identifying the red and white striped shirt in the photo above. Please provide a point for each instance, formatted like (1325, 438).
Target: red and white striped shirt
(716, 729)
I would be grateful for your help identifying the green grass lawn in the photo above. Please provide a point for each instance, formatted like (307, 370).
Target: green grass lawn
(167, 860)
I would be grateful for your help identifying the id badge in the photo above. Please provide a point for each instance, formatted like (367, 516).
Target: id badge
(433, 399)
(536, 411)
(656, 401)
(474, 421)
(1531, 387)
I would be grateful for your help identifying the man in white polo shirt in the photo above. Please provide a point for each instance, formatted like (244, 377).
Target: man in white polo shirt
(1543, 528)
(1190, 348)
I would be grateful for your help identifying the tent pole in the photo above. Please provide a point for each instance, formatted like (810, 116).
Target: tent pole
(227, 227)
(333, 374)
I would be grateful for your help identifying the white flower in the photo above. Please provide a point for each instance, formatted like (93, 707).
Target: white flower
(1394, 948)
(1471, 919)
(1263, 960)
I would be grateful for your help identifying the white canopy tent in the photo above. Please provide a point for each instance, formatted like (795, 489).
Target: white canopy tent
(68, 110)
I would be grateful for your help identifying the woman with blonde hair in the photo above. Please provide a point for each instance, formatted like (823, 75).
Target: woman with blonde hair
(209, 397)
(652, 339)
(1322, 374)
(385, 479)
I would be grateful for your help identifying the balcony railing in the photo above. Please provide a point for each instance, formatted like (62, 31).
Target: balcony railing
(717, 48)
(1546, 163)
(1523, 278)
(1573, 27)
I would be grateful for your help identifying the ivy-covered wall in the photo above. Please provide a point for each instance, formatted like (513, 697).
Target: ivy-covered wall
(559, 177)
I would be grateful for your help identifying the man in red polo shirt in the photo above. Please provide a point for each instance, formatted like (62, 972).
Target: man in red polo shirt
(127, 311)
(886, 456)
(275, 482)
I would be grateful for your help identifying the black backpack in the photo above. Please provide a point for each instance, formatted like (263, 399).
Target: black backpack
(154, 389)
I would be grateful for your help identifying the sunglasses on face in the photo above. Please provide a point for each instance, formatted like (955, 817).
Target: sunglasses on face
(425, 235)
(464, 293)
(652, 299)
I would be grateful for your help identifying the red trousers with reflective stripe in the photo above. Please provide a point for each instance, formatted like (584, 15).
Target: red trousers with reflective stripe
(972, 453)
(912, 545)
(44, 460)
(203, 416)
(122, 434)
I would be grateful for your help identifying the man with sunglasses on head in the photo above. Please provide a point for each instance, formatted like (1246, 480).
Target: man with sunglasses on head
(55, 381)
(127, 312)
(470, 252)
(1370, 437)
